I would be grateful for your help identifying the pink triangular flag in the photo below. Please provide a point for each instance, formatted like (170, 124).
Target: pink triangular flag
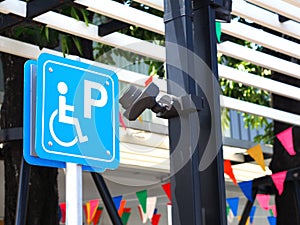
(263, 201)
(278, 180)
(122, 121)
(273, 208)
(286, 139)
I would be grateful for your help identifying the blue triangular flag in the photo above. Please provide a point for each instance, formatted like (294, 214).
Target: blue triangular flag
(233, 204)
(252, 212)
(155, 211)
(117, 200)
(272, 220)
(246, 188)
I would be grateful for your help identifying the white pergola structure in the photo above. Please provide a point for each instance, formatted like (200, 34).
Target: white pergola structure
(155, 157)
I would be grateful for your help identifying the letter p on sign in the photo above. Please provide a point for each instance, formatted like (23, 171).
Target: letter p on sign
(89, 101)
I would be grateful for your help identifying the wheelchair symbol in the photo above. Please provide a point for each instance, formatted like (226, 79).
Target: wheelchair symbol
(63, 107)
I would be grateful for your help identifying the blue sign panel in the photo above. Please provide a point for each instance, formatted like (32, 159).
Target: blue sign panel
(30, 71)
(76, 113)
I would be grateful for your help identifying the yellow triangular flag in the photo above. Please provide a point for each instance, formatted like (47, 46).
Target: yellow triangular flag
(257, 154)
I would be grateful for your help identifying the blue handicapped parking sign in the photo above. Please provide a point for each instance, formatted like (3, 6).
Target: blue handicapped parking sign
(76, 113)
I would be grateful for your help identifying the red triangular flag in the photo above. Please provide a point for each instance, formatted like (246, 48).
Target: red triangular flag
(127, 210)
(63, 212)
(278, 180)
(122, 121)
(228, 170)
(167, 189)
(97, 216)
(148, 81)
(155, 219)
(286, 139)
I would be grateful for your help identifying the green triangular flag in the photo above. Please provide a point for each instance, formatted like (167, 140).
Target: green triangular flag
(271, 212)
(218, 31)
(125, 217)
(142, 196)
(227, 210)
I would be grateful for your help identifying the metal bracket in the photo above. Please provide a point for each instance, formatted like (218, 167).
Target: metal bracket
(135, 101)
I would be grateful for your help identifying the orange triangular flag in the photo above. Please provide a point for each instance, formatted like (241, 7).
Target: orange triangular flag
(148, 81)
(121, 208)
(228, 170)
(140, 119)
(257, 154)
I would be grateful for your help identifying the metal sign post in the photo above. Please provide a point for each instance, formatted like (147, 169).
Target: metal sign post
(73, 190)
(73, 194)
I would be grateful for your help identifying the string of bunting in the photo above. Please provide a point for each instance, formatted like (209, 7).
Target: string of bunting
(147, 208)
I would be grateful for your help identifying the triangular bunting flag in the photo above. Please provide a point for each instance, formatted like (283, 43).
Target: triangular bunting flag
(88, 213)
(228, 170)
(257, 154)
(286, 139)
(230, 216)
(122, 121)
(127, 210)
(142, 197)
(272, 220)
(148, 81)
(117, 201)
(246, 188)
(263, 201)
(62, 207)
(273, 210)
(278, 180)
(125, 217)
(94, 207)
(155, 211)
(151, 204)
(227, 210)
(121, 208)
(142, 214)
(97, 216)
(155, 219)
(140, 119)
(218, 31)
(167, 189)
(233, 204)
(247, 221)
(251, 215)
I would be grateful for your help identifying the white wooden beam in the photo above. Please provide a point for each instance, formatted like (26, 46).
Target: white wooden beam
(126, 14)
(72, 26)
(260, 59)
(293, 2)
(259, 110)
(265, 18)
(156, 4)
(259, 82)
(13, 6)
(19, 48)
(280, 7)
(261, 37)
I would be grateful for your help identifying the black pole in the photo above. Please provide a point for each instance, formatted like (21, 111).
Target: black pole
(23, 193)
(247, 209)
(107, 199)
(196, 160)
